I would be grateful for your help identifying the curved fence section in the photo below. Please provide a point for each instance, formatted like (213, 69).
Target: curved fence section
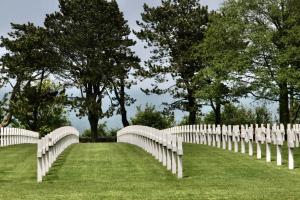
(241, 138)
(164, 146)
(51, 146)
(13, 136)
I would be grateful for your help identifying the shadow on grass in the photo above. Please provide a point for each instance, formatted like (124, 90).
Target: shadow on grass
(58, 164)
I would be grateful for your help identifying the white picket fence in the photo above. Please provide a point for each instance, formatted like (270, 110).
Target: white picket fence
(164, 146)
(235, 137)
(51, 146)
(13, 136)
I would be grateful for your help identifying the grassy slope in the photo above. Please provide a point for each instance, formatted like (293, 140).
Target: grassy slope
(120, 171)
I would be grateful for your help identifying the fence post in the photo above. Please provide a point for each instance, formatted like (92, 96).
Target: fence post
(179, 157)
(224, 137)
(218, 136)
(268, 143)
(279, 143)
(258, 136)
(243, 138)
(229, 136)
(165, 149)
(169, 152)
(291, 146)
(197, 134)
(39, 161)
(250, 137)
(174, 156)
(213, 133)
(236, 138)
(160, 147)
(209, 136)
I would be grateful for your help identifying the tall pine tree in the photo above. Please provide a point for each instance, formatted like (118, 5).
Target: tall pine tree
(90, 35)
(171, 30)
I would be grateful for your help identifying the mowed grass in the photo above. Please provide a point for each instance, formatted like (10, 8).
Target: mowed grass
(121, 171)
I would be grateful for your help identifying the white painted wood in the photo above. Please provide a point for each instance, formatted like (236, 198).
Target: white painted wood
(258, 138)
(165, 149)
(213, 133)
(169, 152)
(174, 154)
(224, 136)
(179, 157)
(197, 134)
(250, 139)
(235, 137)
(278, 156)
(163, 144)
(268, 143)
(51, 146)
(243, 138)
(291, 145)
(209, 136)
(229, 137)
(15, 136)
(218, 136)
(279, 143)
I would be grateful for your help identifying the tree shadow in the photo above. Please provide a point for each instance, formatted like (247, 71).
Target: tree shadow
(58, 164)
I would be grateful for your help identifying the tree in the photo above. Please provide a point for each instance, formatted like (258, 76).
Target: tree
(102, 131)
(263, 115)
(171, 30)
(152, 118)
(236, 115)
(90, 36)
(126, 62)
(271, 29)
(40, 107)
(185, 120)
(30, 57)
(222, 55)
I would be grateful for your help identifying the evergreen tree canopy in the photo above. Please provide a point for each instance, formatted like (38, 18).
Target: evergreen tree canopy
(171, 30)
(92, 38)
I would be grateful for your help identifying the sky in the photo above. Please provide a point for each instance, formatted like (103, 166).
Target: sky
(23, 11)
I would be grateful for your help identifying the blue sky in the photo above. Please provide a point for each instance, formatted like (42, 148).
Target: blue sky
(20, 11)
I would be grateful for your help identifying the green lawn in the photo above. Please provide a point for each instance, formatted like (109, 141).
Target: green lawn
(121, 171)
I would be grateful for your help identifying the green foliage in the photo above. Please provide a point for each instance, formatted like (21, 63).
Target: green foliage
(30, 57)
(221, 55)
(263, 115)
(185, 120)
(102, 131)
(236, 115)
(171, 30)
(270, 29)
(152, 118)
(93, 40)
(41, 107)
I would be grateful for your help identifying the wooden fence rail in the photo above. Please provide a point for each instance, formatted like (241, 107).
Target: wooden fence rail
(51, 146)
(164, 146)
(236, 138)
(13, 136)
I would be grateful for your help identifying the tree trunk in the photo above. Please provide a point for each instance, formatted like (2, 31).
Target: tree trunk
(284, 114)
(93, 119)
(34, 125)
(122, 103)
(124, 118)
(218, 113)
(192, 109)
(8, 118)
